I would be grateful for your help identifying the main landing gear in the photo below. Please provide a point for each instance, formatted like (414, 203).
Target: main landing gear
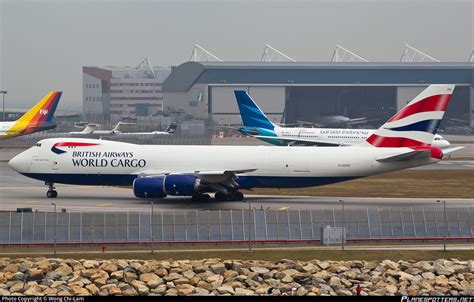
(234, 196)
(52, 193)
(201, 198)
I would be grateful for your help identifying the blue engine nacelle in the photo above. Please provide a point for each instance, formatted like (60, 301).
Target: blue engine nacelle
(160, 187)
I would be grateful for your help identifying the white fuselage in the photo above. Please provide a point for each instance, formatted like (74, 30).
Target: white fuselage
(341, 136)
(116, 163)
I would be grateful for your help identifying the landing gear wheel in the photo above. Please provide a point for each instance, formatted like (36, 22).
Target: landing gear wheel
(52, 194)
(220, 196)
(238, 196)
(201, 197)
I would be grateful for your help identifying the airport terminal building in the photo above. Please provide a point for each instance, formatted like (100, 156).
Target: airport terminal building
(114, 93)
(297, 91)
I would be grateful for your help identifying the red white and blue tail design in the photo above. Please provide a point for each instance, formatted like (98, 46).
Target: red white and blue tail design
(416, 124)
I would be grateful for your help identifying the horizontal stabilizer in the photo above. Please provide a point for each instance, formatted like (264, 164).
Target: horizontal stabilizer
(410, 155)
(452, 149)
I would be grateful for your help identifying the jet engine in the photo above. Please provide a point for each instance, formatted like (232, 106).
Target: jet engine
(160, 187)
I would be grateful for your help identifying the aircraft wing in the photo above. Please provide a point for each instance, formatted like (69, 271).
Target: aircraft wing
(219, 180)
(302, 141)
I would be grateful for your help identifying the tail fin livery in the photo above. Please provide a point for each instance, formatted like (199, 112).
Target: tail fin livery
(252, 115)
(40, 116)
(416, 124)
(172, 128)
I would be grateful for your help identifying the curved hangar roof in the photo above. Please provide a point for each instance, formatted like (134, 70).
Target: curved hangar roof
(187, 74)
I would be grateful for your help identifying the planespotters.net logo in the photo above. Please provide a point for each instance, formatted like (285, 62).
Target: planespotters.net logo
(437, 299)
(56, 147)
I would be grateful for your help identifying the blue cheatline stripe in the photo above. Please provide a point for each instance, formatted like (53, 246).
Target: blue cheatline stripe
(245, 182)
(430, 126)
(251, 115)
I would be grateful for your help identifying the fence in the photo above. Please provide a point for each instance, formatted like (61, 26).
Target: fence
(233, 225)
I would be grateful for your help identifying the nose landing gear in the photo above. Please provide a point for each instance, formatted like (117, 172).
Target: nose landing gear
(52, 193)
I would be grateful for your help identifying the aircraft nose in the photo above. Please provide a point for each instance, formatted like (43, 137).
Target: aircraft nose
(19, 163)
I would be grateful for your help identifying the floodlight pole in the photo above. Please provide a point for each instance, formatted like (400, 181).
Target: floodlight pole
(3, 92)
(55, 227)
(250, 227)
(343, 224)
(445, 224)
(151, 229)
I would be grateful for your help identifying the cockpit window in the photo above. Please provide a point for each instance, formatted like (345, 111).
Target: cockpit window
(38, 144)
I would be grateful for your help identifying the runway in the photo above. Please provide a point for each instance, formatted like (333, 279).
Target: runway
(17, 191)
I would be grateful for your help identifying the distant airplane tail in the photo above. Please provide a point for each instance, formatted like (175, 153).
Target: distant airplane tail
(40, 116)
(172, 128)
(416, 124)
(252, 115)
(119, 127)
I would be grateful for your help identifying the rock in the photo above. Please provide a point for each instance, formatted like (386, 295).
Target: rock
(218, 269)
(117, 275)
(110, 268)
(34, 291)
(201, 291)
(390, 265)
(185, 289)
(287, 279)
(159, 290)
(115, 291)
(129, 277)
(301, 291)
(153, 283)
(172, 276)
(244, 292)
(189, 274)
(225, 289)
(140, 287)
(4, 292)
(443, 270)
(130, 291)
(470, 266)
(93, 289)
(428, 275)
(236, 266)
(379, 292)
(391, 289)
(259, 270)
(12, 268)
(90, 264)
(323, 265)
(17, 286)
(334, 281)
(148, 277)
(79, 291)
(441, 280)
(205, 285)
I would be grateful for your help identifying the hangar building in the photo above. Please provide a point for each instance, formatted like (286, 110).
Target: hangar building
(297, 91)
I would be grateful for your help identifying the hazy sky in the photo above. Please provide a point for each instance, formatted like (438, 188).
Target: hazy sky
(44, 44)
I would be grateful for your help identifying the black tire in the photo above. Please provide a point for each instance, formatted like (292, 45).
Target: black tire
(220, 196)
(238, 196)
(51, 194)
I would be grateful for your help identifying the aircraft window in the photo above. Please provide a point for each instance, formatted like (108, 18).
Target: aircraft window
(38, 144)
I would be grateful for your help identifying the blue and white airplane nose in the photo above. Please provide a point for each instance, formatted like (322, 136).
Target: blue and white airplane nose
(20, 163)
